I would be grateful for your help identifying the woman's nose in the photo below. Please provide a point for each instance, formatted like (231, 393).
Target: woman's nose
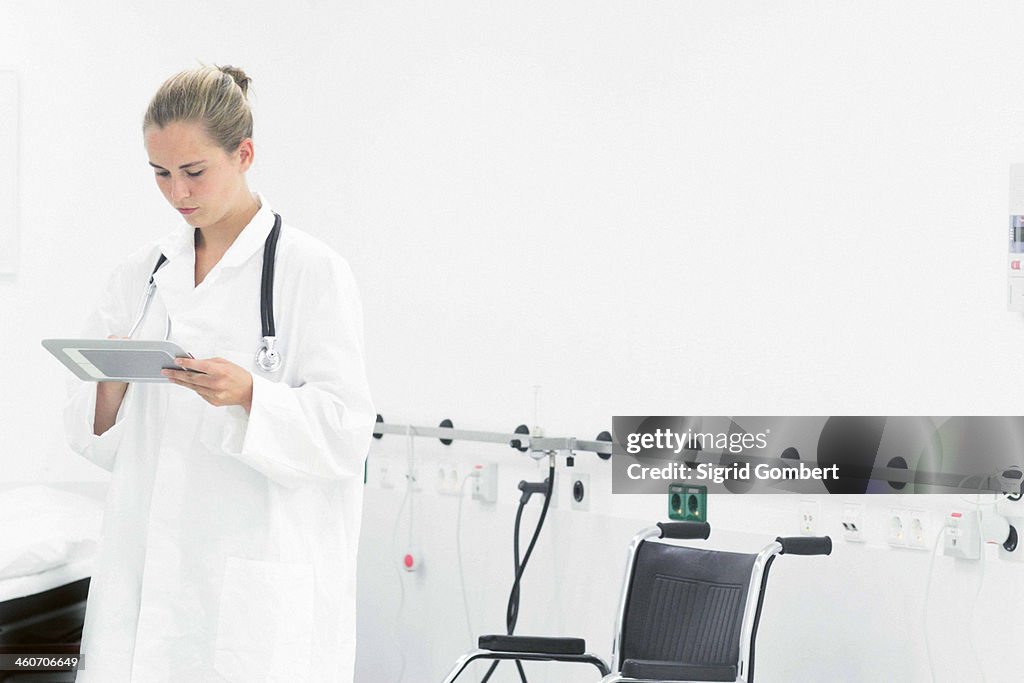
(179, 189)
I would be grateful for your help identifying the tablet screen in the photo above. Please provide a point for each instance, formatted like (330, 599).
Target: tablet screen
(129, 364)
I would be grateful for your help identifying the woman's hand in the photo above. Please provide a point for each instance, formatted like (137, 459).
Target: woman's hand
(221, 382)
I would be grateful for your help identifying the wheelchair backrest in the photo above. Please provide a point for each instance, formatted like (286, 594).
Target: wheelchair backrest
(685, 605)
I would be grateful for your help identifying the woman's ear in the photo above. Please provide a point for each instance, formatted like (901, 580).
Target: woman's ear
(246, 154)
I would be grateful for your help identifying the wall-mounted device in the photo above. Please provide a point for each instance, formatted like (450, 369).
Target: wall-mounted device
(997, 530)
(1015, 260)
(962, 535)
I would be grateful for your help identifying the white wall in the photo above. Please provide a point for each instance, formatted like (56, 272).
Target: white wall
(643, 207)
(858, 615)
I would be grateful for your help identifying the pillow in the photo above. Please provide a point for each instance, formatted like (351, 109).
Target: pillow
(44, 527)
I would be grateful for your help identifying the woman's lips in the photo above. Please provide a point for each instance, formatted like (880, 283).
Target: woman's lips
(186, 212)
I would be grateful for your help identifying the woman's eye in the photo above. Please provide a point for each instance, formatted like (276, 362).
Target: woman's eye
(194, 175)
(163, 174)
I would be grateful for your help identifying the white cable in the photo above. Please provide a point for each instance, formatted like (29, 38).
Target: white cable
(974, 604)
(981, 579)
(401, 586)
(927, 600)
(928, 587)
(410, 476)
(458, 552)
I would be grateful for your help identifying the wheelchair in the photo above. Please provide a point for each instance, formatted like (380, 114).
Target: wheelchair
(685, 614)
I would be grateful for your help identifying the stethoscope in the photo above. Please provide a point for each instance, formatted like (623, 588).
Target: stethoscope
(267, 357)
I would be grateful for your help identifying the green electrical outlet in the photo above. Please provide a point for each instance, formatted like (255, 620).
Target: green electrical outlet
(688, 503)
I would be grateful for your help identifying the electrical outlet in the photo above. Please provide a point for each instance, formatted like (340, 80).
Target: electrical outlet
(918, 528)
(454, 480)
(897, 527)
(447, 480)
(687, 503)
(580, 491)
(441, 480)
(853, 523)
(810, 513)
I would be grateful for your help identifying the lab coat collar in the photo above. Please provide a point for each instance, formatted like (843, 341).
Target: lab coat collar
(181, 242)
(252, 237)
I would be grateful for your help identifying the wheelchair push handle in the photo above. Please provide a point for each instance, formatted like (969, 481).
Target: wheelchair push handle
(805, 545)
(684, 530)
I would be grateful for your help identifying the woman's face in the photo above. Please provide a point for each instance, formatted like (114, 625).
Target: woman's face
(198, 178)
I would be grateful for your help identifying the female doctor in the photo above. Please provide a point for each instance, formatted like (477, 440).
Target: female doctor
(232, 519)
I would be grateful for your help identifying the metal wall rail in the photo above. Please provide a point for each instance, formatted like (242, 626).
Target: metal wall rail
(540, 446)
(520, 439)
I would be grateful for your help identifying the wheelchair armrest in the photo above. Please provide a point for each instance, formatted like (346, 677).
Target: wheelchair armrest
(533, 644)
(677, 671)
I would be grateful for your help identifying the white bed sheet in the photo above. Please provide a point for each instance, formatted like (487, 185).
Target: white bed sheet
(23, 586)
(49, 539)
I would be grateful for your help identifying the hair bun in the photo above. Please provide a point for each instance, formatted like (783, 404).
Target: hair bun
(238, 76)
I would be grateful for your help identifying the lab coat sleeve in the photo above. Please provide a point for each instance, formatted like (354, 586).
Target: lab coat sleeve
(111, 316)
(318, 430)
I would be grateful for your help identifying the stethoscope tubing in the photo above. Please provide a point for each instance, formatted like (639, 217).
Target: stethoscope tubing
(267, 281)
(267, 357)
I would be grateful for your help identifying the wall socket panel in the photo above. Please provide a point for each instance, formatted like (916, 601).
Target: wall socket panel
(919, 529)
(687, 503)
(447, 480)
(896, 528)
(810, 517)
(853, 523)
(908, 528)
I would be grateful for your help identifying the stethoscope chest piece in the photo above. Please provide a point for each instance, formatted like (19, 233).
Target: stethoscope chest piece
(268, 358)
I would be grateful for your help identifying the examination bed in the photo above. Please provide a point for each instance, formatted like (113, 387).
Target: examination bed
(47, 547)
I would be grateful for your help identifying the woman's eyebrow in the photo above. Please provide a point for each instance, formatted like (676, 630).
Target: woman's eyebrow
(189, 164)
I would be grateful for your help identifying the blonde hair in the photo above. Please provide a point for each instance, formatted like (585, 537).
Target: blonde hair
(214, 96)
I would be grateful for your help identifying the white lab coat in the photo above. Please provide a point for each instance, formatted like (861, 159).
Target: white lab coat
(229, 541)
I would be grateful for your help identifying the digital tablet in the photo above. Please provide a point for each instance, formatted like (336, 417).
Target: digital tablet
(116, 360)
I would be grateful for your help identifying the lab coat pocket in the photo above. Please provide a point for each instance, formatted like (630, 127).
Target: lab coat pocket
(265, 623)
